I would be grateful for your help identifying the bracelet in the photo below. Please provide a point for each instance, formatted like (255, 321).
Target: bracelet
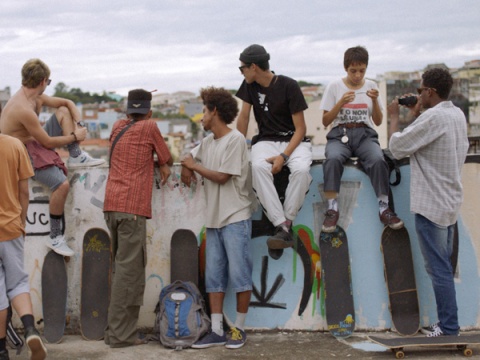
(285, 157)
(75, 136)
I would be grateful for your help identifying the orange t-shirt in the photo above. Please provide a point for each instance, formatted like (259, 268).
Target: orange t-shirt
(15, 166)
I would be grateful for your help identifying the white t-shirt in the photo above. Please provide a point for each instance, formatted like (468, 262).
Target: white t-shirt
(359, 110)
(232, 201)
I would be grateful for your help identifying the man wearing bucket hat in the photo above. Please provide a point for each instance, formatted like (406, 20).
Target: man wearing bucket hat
(127, 206)
(278, 106)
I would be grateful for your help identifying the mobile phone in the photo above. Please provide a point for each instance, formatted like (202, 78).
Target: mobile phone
(408, 100)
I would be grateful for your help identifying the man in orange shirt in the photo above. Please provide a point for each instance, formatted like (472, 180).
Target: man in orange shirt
(127, 206)
(14, 286)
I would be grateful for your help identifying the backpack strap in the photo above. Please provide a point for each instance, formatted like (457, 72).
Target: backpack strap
(117, 138)
(392, 166)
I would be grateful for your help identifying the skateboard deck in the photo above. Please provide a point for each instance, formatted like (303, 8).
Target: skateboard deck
(96, 280)
(462, 343)
(336, 276)
(54, 296)
(184, 256)
(400, 280)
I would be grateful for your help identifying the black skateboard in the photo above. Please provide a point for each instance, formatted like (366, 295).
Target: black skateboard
(96, 280)
(184, 256)
(336, 276)
(397, 345)
(54, 296)
(400, 280)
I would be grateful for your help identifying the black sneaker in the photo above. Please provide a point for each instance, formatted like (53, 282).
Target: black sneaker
(4, 355)
(36, 349)
(281, 240)
(429, 329)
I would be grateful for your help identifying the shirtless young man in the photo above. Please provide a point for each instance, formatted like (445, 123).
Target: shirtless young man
(20, 119)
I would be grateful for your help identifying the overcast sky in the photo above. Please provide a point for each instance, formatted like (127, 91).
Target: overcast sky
(173, 45)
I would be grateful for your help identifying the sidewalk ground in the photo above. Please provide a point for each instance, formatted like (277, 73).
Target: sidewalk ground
(296, 345)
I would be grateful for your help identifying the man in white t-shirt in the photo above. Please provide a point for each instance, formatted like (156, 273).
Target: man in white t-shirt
(222, 159)
(351, 105)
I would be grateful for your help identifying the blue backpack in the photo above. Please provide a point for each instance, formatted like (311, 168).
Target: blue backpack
(180, 315)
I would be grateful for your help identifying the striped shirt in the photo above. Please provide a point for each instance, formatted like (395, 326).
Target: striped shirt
(130, 180)
(437, 143)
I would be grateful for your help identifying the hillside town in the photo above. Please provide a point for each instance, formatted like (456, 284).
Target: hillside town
(180, 113)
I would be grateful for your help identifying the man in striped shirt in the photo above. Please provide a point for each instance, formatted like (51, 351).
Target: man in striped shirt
(127, 206)
(437, 144)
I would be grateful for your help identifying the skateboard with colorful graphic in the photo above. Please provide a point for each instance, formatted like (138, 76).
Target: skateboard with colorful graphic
(54, 297)
(184, 256)
(96, 281)
(336, 276)
(397, 345)
(400, 280)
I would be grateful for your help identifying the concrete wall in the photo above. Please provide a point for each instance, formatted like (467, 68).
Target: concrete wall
(296, 300)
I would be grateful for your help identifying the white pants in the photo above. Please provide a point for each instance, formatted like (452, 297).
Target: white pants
(298, 184)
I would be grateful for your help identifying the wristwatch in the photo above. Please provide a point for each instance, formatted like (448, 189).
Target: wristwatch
(285, 157)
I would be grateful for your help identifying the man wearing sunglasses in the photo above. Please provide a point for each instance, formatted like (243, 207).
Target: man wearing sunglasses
(278, 105)
(437, 144)
(20, 119)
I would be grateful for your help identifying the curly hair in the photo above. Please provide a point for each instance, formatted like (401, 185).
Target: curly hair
(222, 100)
(34, 71)
(355, 55)
(440, 80)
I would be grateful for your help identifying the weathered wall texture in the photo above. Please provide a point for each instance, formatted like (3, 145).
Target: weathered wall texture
(291, 296)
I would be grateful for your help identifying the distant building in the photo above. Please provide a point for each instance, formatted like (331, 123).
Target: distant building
(4, 96)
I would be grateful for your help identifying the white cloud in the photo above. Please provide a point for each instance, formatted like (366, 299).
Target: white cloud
(176, 45)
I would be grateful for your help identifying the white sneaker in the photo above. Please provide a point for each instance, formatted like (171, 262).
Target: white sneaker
(83, 160)
(59, 245)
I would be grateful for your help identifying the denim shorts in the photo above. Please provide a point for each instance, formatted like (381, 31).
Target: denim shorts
(229, 257)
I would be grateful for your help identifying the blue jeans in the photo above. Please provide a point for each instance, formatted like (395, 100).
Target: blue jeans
(228, 256)
(436, 244)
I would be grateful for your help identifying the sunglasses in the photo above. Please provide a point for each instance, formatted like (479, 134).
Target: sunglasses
(420, 90)
(244, 67)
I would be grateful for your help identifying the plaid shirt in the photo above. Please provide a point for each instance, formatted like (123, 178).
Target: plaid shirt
(130, 180)
(437, 142)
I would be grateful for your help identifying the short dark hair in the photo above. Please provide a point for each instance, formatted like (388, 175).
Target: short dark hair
(355, 55)
(222, 100)
(34, 71)
(439, 79)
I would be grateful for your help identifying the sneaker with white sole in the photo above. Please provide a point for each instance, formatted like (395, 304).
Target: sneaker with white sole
(59, 245)
(437, 332)
(35, 345)
(83, 160)
(236, 338)
(432, 330)
(429, 329)
(209, 340)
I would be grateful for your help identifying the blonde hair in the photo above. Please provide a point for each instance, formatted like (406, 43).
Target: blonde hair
(34, 72)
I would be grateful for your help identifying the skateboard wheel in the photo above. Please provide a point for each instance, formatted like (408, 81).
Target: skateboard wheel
(467, 352)
(399, 354)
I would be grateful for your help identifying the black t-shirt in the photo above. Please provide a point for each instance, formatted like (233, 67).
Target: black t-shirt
(273, 107)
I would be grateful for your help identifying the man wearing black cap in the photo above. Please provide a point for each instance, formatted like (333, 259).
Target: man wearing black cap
(278, 106)
(127, 206)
